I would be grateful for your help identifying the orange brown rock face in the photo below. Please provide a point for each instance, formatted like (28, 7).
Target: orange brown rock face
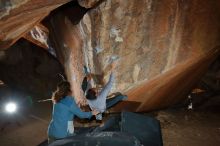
(162, 46)
(68, 43)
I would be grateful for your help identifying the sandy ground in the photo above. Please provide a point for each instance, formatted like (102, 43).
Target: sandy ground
(190, 128)
(179, 128)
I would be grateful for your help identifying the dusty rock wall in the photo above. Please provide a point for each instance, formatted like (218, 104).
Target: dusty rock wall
(163, 47)
(152, 39)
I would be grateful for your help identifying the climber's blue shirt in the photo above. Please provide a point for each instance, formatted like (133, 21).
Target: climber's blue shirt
(62, 117)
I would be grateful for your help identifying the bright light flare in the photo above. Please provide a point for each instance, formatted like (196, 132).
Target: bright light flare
(10, 107)
(1, 82)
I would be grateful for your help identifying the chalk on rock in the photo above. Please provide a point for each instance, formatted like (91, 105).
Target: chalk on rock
(98, 50)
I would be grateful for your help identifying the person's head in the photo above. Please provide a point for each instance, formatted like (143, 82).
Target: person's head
(63, 89)
(92, 94)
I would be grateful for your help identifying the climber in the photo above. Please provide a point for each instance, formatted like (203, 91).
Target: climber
(64, 111)
(98, 100)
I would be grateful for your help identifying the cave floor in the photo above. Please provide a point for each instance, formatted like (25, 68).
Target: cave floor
(180, 127)
(189, 128)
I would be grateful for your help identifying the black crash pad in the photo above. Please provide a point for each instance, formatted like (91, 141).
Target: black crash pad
(144, 128)
(128, 129)
(99, 139)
